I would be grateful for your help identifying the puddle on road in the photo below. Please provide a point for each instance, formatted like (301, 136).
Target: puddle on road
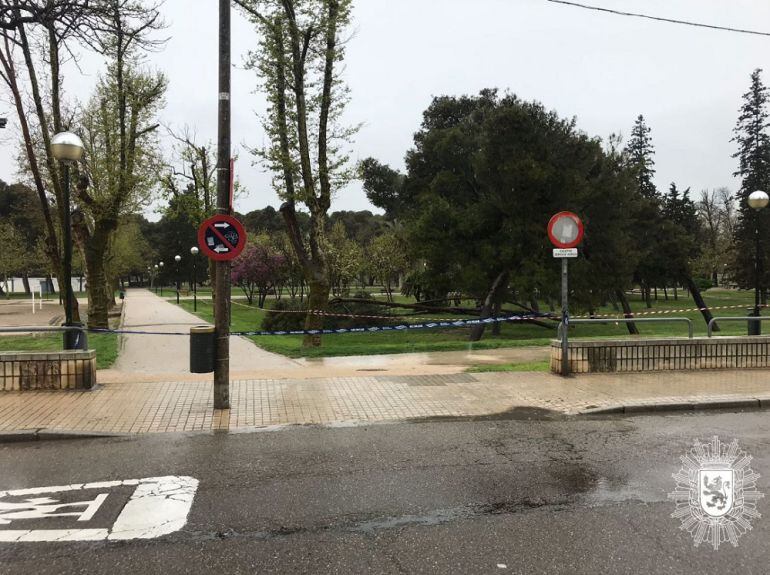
(606, 491)
(586, 487)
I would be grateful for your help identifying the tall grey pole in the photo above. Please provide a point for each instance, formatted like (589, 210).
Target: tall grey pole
(755, 327)
(222, 269)
(195, 283)
(69, 337)
(564, 319)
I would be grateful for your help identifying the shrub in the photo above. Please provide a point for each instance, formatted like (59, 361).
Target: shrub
(703, 283)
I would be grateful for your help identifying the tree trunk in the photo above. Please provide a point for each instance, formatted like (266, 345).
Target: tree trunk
(495, 293)
(109, 289)
(317, 299)
(621, 295)
(25, 281)
(676, 293)
(648, 297)
(665, 292)
(98, 296)
(496, 314)
(699, 301)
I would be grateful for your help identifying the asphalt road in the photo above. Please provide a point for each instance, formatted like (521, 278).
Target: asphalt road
(489, 496)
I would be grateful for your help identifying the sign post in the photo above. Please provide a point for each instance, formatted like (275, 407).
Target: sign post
(222, 267)
(222, 238)
(565, 230)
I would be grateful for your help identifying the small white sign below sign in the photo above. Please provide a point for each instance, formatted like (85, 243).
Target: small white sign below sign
(565, 253)
(158, 506)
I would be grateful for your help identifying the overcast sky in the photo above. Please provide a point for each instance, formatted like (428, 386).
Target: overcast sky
(602, 68)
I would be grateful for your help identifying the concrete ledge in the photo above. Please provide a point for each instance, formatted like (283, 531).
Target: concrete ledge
(35, 371)
(669, 354)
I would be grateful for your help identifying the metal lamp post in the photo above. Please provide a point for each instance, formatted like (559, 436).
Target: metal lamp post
(160, 278)
(177, 259)
(68, 149)
(194, 251)
(155, 277)
(757, 201)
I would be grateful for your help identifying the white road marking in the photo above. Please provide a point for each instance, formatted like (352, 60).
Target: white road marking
(53, 535)
(45, 508)
(158, 506)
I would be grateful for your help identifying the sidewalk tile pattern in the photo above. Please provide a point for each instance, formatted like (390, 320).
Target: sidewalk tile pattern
(188, 406)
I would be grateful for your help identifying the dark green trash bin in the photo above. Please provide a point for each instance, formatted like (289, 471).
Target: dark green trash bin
(76, 339)
(202, 349)
(755, 327)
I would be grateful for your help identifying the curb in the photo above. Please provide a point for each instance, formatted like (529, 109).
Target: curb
(638, 408)
(24, 435)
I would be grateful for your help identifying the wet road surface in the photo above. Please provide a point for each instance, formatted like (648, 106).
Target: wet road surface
(514, 495)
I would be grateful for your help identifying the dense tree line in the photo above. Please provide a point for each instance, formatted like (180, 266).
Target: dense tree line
(486, 173)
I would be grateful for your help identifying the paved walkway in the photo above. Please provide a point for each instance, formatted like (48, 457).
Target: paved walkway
(260, 404)
(151, 354)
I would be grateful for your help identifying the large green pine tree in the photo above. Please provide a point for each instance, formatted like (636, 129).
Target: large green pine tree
(646, 213)
(753, 139)
(640, 153)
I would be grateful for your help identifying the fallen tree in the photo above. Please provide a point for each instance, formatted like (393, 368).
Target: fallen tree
(421, 307)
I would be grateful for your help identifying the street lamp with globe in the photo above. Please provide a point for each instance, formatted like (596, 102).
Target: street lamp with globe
(194, 251)
(177, 259)
(68, 148)
(160, 278)
(757, 201)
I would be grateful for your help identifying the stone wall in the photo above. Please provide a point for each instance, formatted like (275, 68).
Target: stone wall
(23, 371)
(663, 354)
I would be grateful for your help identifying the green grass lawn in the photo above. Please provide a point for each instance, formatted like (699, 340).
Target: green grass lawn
(105, 344)
(250, 319)
(525, 366)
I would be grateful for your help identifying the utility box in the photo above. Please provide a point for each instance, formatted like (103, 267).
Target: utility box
(202, 349)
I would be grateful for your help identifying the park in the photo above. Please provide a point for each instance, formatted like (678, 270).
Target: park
(268, 296)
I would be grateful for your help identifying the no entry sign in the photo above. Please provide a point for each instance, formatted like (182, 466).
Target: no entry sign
(565, 230)
(221, 237)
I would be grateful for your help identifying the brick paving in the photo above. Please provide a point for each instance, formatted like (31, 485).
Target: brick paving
(154, 407)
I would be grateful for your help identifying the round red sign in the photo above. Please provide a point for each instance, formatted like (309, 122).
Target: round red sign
(221, 237)
(565, 230)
